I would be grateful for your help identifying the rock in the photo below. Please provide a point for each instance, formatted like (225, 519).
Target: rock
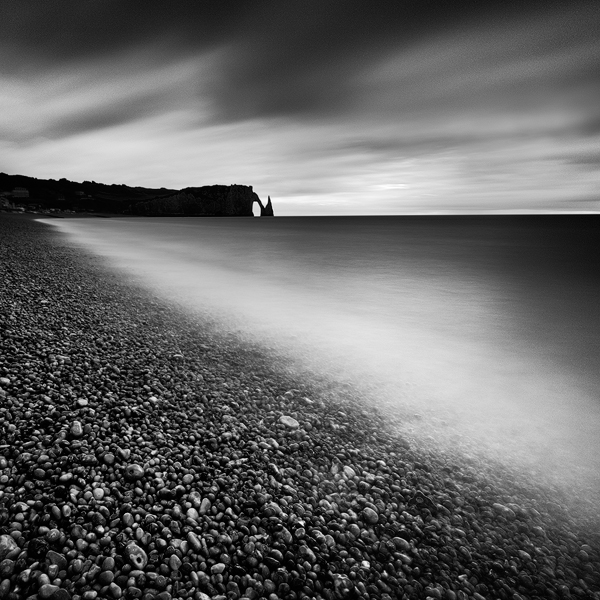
(401, 544)
(76, 429)
(7, 545)
(47, 591)
(136, 556)
(4, 381)
(195, 499)
(124, 453)
(109, 458)
(55, 558)
(349, 472)
(82, 402)
(38, 548)
(192, 513)
(370, 516)
(106, 578)
(267, 210)
(209, 200)
(204, 506)
(7, 568)
(506, 512)
(194, 541)
(134, 472)
(217, 568)
(289, 422)
(174, 562)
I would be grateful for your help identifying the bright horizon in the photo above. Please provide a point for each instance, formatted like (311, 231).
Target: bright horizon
(330, 108)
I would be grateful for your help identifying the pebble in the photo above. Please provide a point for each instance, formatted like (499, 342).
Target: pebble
(98, 493)
(370, 516)
(76, 429)
(204, 506)
(349, 472)
(174, 562)
(289, 422)
(47, 591)
(134, 472)
(7, 568)
(56, 558)
(136, 556)
(109, 458)
(7, 545)
(218, 568)
(194, 541)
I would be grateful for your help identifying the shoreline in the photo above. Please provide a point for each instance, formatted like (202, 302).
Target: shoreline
(179, 464)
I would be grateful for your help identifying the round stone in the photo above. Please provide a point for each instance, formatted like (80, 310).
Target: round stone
(136, 556)
(7, 545)
(47, 590)
(134, 472)
(289, 422)
(106, 577)
(192, 513)
(370, 516)
(349, 472)
(7, 568)
(76, 429)
(174, 562)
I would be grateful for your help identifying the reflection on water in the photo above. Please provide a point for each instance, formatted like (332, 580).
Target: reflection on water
(486, 326)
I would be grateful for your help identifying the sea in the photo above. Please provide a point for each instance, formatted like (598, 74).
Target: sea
(475, 334)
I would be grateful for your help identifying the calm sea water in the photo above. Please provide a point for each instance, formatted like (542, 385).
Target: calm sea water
(481, 332)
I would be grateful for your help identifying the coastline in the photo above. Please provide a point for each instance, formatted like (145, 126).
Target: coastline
(131, 432)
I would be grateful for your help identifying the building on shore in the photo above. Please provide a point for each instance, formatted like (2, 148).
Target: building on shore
(20, 192)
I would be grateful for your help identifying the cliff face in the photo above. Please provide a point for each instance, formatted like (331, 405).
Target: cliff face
(267, 211)
(207, 201)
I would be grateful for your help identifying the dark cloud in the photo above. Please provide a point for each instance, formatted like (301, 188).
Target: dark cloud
(588, 160)
(591, 126)
(278, 58)
(106, 115)
(40, 33)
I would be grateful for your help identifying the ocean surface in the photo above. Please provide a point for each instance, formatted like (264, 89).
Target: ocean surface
(474, 333)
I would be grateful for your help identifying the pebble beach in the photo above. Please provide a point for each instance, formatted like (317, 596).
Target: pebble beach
(143, 455)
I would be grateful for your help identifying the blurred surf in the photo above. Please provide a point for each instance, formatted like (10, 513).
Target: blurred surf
(488, 328)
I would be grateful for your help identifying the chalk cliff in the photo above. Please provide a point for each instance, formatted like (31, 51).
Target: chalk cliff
(267, 211)
(207, 201)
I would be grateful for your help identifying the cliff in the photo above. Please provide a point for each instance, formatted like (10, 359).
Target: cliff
(267, 211)
(90, 196)
(86, 196)
(206, 201)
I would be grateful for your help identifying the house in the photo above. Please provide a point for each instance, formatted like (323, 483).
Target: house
(20, 192)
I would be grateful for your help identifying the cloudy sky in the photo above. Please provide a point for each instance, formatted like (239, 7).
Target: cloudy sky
(329, 106)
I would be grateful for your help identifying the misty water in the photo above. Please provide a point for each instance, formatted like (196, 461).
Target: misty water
(475, 334)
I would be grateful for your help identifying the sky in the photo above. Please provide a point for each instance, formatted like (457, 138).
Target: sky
(328, 106)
